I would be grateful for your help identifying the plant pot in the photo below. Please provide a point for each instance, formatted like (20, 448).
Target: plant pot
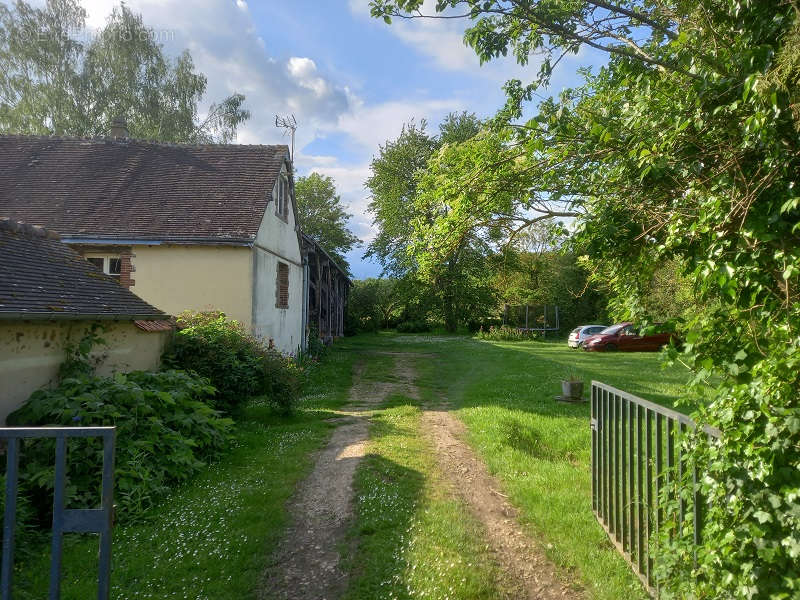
(572, 390)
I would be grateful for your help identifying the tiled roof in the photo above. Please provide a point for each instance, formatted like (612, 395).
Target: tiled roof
(131, 189)
(42, 278)
(154, 325)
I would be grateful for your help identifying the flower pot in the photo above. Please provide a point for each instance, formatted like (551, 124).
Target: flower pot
(572, 390)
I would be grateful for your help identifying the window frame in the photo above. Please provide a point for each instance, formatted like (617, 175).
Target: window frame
(282, 203)
(281, 286)
(106, 258)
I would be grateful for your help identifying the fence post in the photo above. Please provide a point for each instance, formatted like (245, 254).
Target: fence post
(10, 516)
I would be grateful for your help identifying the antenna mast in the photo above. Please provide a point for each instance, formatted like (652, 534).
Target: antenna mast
(289, 125)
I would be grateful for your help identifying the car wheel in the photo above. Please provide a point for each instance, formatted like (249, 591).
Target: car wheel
(611, 347)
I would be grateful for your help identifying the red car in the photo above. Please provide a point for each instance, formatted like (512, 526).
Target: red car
(626, 337)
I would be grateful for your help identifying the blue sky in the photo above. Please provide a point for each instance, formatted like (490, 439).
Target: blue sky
(350, 80)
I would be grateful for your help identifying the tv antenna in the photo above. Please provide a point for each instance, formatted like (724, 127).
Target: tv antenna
(289, 125)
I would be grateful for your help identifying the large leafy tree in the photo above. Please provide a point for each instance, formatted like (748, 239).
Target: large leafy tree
(683, 150)
(323, 217)
(53, 83)
(458, 289)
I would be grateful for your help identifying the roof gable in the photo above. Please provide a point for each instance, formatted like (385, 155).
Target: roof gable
(42, 278)
(136, 190)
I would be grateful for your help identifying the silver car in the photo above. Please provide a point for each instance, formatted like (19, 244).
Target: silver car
(578, 335)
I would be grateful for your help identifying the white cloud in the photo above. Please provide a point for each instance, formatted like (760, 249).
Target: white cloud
(443, 41)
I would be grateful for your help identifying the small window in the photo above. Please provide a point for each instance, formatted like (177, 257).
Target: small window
(282, 204)
(110, 265)
(282, 286)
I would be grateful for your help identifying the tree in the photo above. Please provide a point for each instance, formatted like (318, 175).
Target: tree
(51, 83)
(373, 304)
(323, 217)
(456, 283)
(393, 187)
(684, 149)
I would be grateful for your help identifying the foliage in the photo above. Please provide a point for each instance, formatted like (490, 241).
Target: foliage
(281, 380)
(52, 83)
(373, 304)
(237, 364)
(225, 522)
(392, 186)
(537, 269)
(165, 433)
(316, 347)
(76, 354)
(323, 217)
(413, 327)
(683, 151)
(504, 333)
(220, 350)
(457, 288)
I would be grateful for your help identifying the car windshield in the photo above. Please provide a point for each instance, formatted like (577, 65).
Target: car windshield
(576, 330)
(614, 329)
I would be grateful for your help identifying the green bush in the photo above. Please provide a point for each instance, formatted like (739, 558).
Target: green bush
(281, 379)
(220, 350)
(166, 431)
(236, 363)
(504, 333)
(413, 327)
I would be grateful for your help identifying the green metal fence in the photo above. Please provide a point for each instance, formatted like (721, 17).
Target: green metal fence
(638, 464)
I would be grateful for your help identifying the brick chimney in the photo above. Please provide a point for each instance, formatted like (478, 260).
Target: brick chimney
(119, 128)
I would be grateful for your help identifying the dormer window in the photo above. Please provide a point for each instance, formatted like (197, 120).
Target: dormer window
(282, 203)
(110, 264)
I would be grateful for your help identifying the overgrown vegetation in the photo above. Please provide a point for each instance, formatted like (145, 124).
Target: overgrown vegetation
(507, 334)
(211, 536)
(166, 432)
(237, 365)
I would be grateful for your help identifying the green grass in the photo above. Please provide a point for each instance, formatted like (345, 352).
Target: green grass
(211, 537)
(413, 538)
(539, 449)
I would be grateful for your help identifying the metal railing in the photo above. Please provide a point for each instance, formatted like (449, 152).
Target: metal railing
(97, 520)
(638, 461)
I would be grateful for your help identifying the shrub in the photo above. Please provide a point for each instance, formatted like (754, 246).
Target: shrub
(165, 432)
(504, 333)
(282, 380)
(237, 364)
(220, 350)
(413, 327)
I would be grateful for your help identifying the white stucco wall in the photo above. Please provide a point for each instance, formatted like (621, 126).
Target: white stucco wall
(31, 352)
(277, 241)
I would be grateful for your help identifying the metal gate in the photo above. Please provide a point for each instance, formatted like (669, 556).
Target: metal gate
(636, 455)
(96, 520)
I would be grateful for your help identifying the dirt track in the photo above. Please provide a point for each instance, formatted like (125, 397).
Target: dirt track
(306, 565)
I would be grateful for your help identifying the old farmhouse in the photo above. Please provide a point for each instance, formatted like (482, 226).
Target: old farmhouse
(187, 227)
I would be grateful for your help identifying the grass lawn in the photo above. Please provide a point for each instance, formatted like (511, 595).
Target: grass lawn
(211, 537)
(539, 449)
